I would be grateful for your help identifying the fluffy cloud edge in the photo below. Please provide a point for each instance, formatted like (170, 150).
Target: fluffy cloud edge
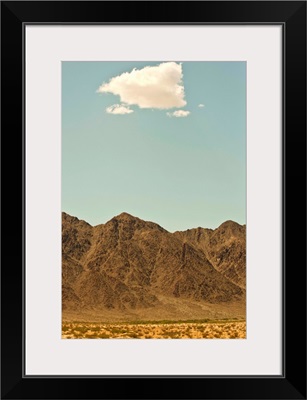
(178, 113)
(157, 87)
(118, 109)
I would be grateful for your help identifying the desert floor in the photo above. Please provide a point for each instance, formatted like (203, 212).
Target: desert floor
(228, 329)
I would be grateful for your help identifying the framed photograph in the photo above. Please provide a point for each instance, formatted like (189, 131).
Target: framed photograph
(161, 153)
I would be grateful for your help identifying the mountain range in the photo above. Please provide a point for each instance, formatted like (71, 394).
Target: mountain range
(130, 269)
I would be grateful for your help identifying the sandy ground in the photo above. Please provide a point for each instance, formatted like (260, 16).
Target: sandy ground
(170, 309)
(163, 330)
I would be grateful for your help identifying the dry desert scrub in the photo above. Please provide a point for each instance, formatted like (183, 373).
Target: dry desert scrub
(158, 330)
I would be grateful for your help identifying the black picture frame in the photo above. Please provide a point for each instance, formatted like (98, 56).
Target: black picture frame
(292, 16)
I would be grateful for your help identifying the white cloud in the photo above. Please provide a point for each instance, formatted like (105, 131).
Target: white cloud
(150, 87)
(178, 113)
(118, 109)
(201, 105)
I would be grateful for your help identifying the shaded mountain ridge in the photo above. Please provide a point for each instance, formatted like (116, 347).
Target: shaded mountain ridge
(131, 264)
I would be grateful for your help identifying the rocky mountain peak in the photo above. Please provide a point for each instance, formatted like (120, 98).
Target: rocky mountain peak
(124, 216)
(132, 264)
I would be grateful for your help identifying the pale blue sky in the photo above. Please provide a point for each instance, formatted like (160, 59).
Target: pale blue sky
(178, 172)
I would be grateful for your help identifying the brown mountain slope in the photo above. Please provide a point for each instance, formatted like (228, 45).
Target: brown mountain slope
(128, 265)
(224, 247)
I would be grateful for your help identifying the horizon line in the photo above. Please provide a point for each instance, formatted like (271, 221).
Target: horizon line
(133, 216)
